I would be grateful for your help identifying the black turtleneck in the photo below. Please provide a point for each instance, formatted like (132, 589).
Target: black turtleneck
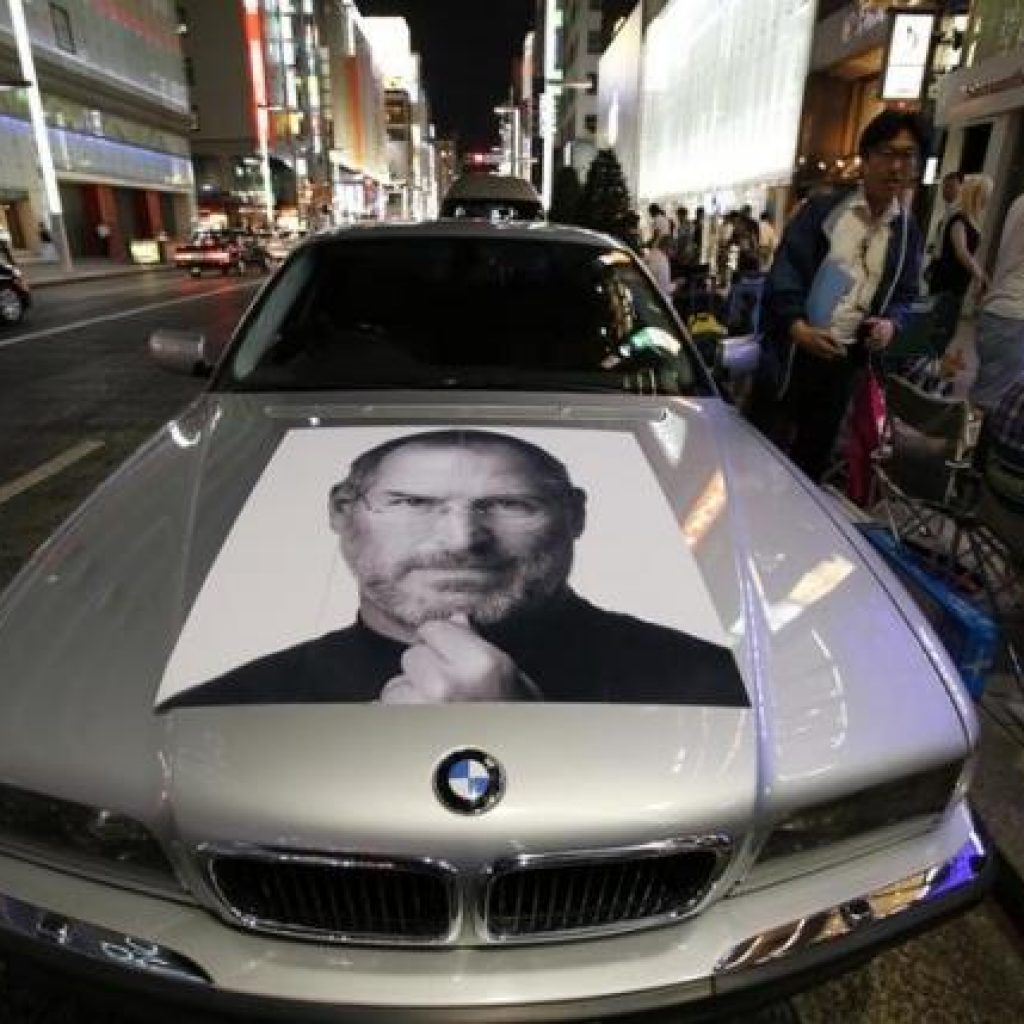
(571, 650)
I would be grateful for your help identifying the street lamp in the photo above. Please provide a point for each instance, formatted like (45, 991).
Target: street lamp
(30, 84)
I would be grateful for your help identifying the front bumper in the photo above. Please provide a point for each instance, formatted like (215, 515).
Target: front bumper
(758, 945)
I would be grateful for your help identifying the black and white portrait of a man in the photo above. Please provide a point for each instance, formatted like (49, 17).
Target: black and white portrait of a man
(461, 543)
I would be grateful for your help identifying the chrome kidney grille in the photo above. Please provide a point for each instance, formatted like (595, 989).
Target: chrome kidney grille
(533, 898)
(332, 899)
(540, 900)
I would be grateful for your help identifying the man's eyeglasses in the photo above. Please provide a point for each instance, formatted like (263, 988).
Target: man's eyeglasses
(893, 155)
(414, 510)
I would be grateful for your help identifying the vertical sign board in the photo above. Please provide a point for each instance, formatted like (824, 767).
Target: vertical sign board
(908, 53)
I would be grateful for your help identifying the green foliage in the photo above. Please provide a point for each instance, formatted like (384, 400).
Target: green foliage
(605, 201)
(566, 194)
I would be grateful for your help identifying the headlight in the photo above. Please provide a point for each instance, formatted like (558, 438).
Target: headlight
(892, 803)
(89, 840)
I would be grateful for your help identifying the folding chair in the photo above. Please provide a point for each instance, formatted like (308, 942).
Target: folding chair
(996, 534)
(921, 466)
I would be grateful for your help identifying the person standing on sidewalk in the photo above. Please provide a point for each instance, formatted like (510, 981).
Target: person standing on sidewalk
(951, 184)
(767, 241)
(840, 289)
(659, 262)
(955, 267)
(1000, 339)
(103, 236)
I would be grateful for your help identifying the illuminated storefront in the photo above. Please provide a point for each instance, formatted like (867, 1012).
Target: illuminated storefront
(722, 91)
(116, 114)
(619, 100)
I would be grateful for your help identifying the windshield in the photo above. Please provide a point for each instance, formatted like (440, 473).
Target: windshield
(464, 312)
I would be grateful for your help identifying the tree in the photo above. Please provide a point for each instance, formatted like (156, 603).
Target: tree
(566, 193)
(605, 201)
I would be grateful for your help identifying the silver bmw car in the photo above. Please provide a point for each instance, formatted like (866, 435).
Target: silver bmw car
(462, 654)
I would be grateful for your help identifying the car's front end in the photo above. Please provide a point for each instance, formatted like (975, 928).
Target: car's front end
(799, 803)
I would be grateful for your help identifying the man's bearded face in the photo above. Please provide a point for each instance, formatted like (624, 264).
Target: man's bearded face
(449, 531)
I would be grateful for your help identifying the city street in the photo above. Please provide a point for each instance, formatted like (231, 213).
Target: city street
(78, 393)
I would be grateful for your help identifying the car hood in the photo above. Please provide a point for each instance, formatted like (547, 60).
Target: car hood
(116, 606)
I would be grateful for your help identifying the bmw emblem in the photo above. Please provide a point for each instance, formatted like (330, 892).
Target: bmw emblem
(469, 781)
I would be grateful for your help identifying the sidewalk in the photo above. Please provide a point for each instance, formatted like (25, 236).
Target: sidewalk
(42, 274)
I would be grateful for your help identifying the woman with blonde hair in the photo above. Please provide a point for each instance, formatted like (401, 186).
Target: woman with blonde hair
(956, 267)
(1000, 339)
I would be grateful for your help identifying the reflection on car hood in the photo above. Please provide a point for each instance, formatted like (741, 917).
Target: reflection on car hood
(832, 667)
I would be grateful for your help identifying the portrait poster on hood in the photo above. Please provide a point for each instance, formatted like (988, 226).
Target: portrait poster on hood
(423, 565)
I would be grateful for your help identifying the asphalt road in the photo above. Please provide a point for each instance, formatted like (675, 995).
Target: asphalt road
(77, 386)
(78, 393)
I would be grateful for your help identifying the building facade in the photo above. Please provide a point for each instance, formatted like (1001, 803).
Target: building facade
(980, 108)
(262, 122)
(619, 96)
(411, 190)
(115, 101)
(577, 115)
(358, 153)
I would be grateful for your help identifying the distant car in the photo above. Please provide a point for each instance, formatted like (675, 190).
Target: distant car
(226, 251)
(483, 196)
(461, 654)
(15, 297)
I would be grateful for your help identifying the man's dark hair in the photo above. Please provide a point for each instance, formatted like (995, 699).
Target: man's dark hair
(549, 473)
(959, 175)
(886, 126)
(655, 210)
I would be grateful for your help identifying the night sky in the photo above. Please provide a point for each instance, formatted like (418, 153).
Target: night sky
(467, 48)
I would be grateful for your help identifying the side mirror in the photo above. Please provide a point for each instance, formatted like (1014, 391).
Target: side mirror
(737, 358)
(181, 352)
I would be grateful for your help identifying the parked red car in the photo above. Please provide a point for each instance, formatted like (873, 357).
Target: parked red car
(226, 251)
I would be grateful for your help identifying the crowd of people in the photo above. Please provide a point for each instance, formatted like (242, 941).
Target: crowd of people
(842, 287)
(677, 245)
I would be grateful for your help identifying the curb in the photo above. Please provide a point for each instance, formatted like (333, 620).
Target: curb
(95, 275)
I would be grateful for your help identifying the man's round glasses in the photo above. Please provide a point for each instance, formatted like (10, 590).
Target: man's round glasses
(894, 156)
(413, 510)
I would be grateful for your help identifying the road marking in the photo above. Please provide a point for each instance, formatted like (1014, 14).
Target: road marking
(48, 469)
(64, 328)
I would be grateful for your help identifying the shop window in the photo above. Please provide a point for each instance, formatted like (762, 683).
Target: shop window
(61, 21)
